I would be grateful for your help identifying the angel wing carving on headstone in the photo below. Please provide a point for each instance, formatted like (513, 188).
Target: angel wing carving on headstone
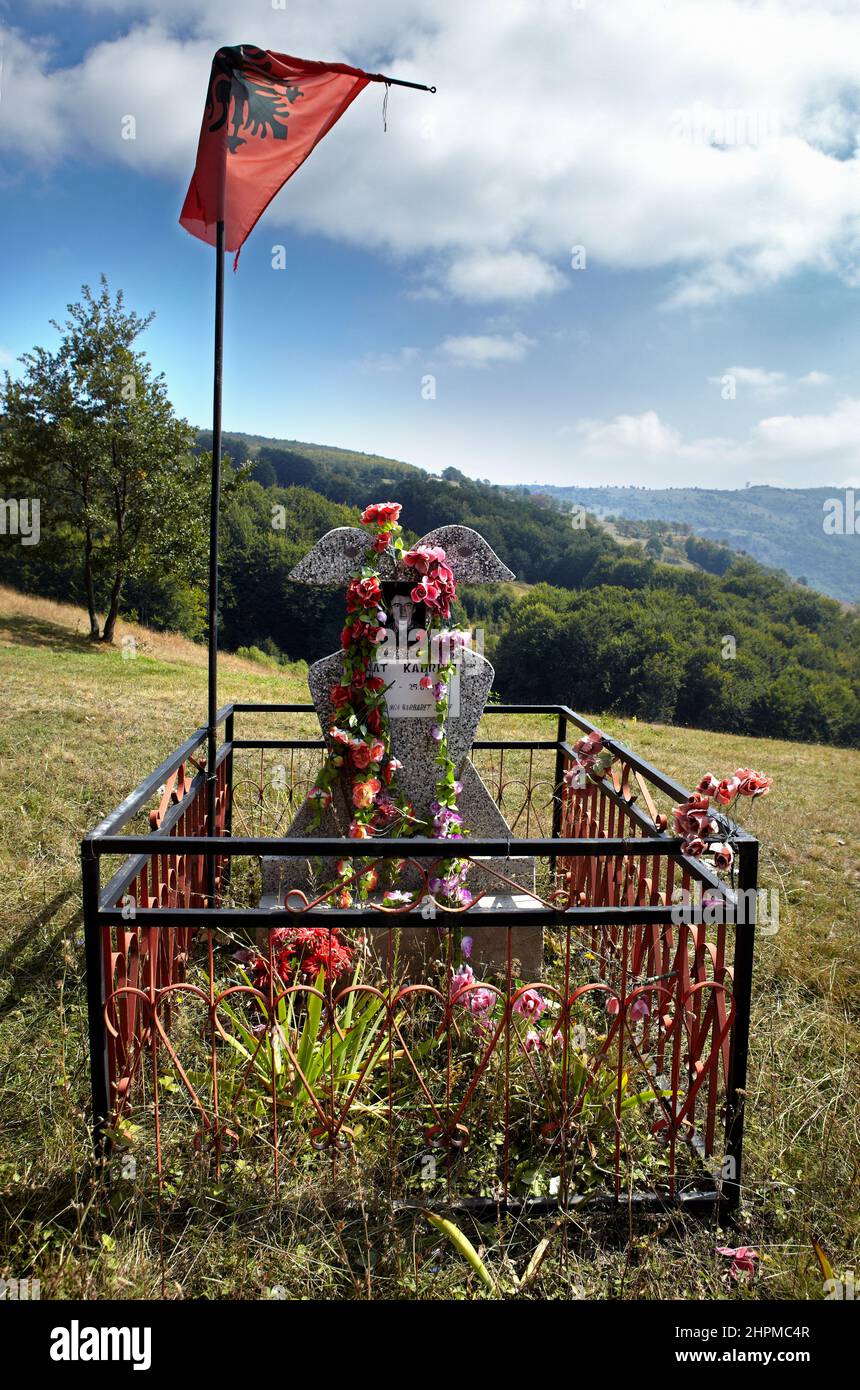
(339, 553)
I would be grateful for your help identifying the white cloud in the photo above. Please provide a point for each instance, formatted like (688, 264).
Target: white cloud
(763, 383)
(784, 450)
(824, 438)
(644, 433)
(505, 275)
(717, 139)
(482, 350)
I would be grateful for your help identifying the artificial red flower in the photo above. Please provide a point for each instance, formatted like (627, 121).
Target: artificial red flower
(360, 755)
(381, 513)
(363, 593)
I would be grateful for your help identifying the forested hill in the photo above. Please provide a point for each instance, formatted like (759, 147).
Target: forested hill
(537, 542)
(780, 527)
(712, 640)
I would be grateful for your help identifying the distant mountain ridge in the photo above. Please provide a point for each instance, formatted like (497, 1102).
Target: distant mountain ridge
(780, 527)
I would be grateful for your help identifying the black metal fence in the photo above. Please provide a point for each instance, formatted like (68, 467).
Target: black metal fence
(647, 978)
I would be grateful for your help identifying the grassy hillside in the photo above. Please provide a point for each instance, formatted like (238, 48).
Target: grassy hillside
(779, 527)
(81, 724)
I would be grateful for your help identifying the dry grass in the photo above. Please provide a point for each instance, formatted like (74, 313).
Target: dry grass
(80, 725)
(26, 616)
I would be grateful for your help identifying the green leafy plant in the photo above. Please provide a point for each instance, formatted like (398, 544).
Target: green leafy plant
(294, 1051)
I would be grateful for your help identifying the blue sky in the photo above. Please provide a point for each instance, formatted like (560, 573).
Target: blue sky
(702, 153)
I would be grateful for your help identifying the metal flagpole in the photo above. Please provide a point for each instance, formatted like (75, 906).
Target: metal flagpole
(214, 527)
(214, 520)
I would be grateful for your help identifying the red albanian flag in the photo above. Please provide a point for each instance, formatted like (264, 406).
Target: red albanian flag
(264, 114)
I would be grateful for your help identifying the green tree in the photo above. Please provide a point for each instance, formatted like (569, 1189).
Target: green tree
(91, 429)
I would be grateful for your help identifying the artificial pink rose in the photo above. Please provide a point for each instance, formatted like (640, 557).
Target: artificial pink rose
(479, 1002)
(694, 845)
(743, 1259)
(723, 856)
(753, 783)
(461, 978)
(727, 790)
(693, 817)
(377, 750)
(530, 1004)
(708, 785)
(423, 557)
